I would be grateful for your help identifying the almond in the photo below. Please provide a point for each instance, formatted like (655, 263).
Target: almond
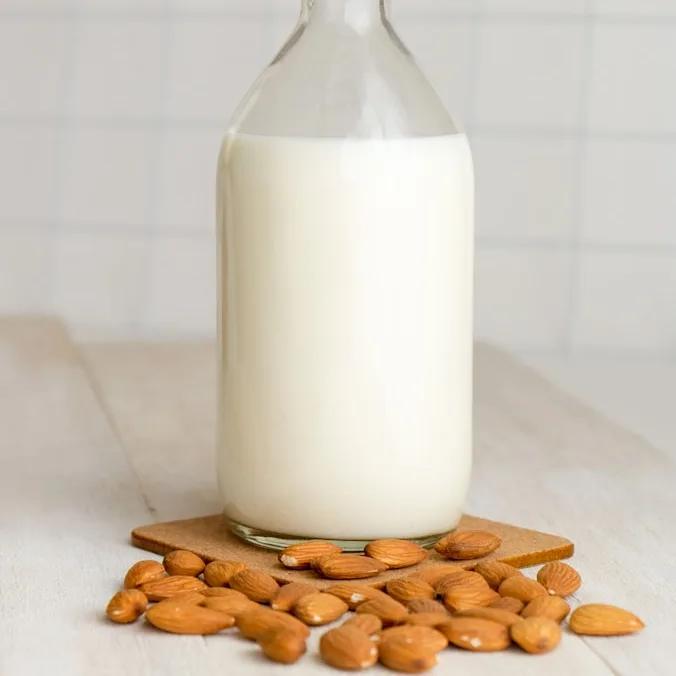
(425, 637)
(165, 588)
(522, 588)
(462, 598)
(301, 555)
(255, 585)
(253, 623)
(348, 648)
(536, 634)
(396, 553)
(319, 608)
(230, 605)
(194, 598)
(354, 593)
(127, 606)
(218, 573)
(283, 645)
(463, 578)
(387, 609)
(551, 607)
(427, 619)
(508, 603)
(184, 618)
(494, 572)
(222, 592)
(468, 544)
(559, 578)
(369, 624)
(433, 574)
(142, 572)
(425, 606)
(350, 567)
(503, 617)
(596, 619)
(400, 654)
(404, 590)
(182, 562)
(290, 593)
(475, 633)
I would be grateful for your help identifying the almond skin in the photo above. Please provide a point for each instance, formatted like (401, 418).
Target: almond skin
(427, 619)
(350, 567)
(559, 579)
(425, 606)
(387, 609)
(462, 598)
(182, 562)
(222, 592)
(503, 617)
(475, 633)
(396, 553)
(218, 573)
(468, 544)
(127, 606)
(253, 623)
(433, 574)
(288, 594)
(551, 607)
(165, 588)
(301, 555)
(193, 598)
(399, 654)
(597, 619)
(536, 635)
(522, 588)
(463, 578)
(404, 590)
(369, 624)
(508, 603)
(348, 648)
(230, 605)
(183, 618)
(255, 585)
(142, 572)
(495, 572)
(283, 645)
(424, 637)
(319, 608)
(354, 593)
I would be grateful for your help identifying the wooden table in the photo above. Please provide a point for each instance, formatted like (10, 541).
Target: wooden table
(96, 440)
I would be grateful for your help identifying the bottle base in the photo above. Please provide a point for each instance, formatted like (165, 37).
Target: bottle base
(279, 541)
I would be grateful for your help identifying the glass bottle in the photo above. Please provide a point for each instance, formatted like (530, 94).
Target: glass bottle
(345, 208)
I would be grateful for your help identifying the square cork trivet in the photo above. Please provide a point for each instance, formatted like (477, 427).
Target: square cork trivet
(210, 538)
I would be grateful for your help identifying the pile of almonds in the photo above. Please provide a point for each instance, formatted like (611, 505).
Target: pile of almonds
(403, 626)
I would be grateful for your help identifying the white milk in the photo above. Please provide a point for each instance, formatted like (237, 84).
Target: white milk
(346, 334)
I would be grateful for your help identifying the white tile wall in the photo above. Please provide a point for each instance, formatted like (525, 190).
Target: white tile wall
(111, 114)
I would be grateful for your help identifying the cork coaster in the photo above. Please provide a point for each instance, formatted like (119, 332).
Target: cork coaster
(209, 537)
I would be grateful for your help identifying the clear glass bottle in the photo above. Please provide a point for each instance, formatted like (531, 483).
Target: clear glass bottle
(345, 206)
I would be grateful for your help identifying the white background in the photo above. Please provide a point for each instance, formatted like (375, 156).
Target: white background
(112, 111)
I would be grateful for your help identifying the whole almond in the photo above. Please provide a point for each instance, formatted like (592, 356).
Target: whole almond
(399, 654)
(559, 579)
(503, 617)
(283, 645)
(463, 578)
(425, 606)
(301, 555)
(253, 623)
(536, 634)
(255, 585)
(127, 606)
(164, 588)
(230, 605)
(319, 608)
(396, 553)
(404, 590)
(495, 572)
(425, 637)
(223, 592)
(218, 573)
(194, 598)
(348, 648)
(468, 544)
(387, 609)
(433, 574)
(182, 562)
(350, 567)
(142, 572)
(288, 594)
(475, 633)
(354, 593)
(551, 607)
(522, 588)
(508, 603)
(427, 619)
(596, 619)
(462, 598)
(369, 624)
(184, 618)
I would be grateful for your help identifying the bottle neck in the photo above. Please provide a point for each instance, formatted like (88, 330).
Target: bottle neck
(359, 14)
